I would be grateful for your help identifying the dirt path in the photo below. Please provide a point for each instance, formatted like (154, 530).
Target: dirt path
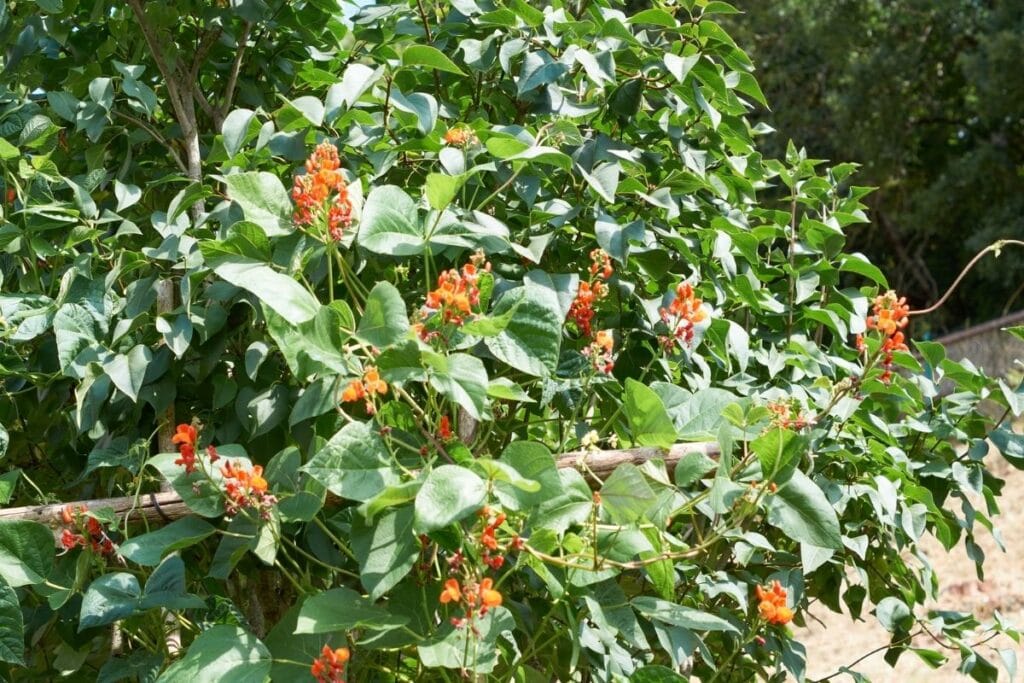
(841, 640)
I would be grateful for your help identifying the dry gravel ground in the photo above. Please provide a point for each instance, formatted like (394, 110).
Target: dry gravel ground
(838, 640)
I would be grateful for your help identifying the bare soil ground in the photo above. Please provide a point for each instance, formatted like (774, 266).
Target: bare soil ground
(838, 640)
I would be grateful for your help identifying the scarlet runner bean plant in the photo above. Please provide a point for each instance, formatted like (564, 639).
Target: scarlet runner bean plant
(517, 236)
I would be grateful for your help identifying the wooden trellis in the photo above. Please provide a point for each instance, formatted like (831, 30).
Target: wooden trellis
(167, 506)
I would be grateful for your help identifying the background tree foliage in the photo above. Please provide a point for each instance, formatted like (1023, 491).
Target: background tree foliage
(928, 96)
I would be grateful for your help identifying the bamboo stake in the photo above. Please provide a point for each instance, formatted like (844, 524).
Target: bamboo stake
(159, 508)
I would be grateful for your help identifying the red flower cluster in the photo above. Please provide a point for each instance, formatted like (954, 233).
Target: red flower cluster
(456, 298)
(889, 315)
(246, 488)
(367, 388)
(478, 598)
(600, 352)
(90, 533)
(591, 291)
(444, 429)
(786, 414)
(321, 193)
(186, 437)
(772, 604)
(685, 311)
(329, 667)
(456, 294)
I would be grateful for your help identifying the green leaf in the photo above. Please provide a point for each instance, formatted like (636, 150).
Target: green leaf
(655, 16)
(691, 467)
(539, 69)
(281, 293)
(699, 418)
(677, 615)
(505, 389)
(858, 263)
(453, 648)
(534, 463)
(392, 496)
(461, 377)
(235, 129)
(778, 451)
(531, 340)
(109, 598)
(26, 552)
(425, 55)
(342, 609)
(202, 494)
(8, 480)
(128, 371)
(386, 549)
(263, 200)
(315, 347)
(12, 627)
(656, 674)
(390, 223)
(165, 587)
(449, 493)
(354, 464)
(626, 495)
(221, 654)
(648, 419)
(149, 549)
(800, 509)
(385, 321)
(75, 331)
(442, 188)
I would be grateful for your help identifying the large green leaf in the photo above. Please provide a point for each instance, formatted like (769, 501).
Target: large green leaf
(315, 347)
(385, 321)
(386, 549)
(670, 613)
(26, 552)
(109, 598)
(390, 223)
(778, 451)
(221, 654)
(149, 549)
(534, 462)
(626, 495)
(284, 295)
(448, 494)
(12, 627)
(699, 418)
(342, 609)
(648, 419)
(425, 55)
(530, 342)
(263, 199)
(354, 464)
(461, 377)
(462, 648)
(801, 510)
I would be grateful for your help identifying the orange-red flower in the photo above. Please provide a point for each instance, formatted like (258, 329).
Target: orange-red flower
(185, 436)
(489, 598)
(451, 592)
(366, 388)
(682, 315)
(600, 352)
(456, 294)
(444, 428)
(459, 136)
(329, 667)
(772, 604)
(321, 193)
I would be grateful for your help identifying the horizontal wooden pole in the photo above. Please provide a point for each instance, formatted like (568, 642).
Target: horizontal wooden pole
(167, 506)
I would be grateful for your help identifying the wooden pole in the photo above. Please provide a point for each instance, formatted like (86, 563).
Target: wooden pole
(159, 508)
